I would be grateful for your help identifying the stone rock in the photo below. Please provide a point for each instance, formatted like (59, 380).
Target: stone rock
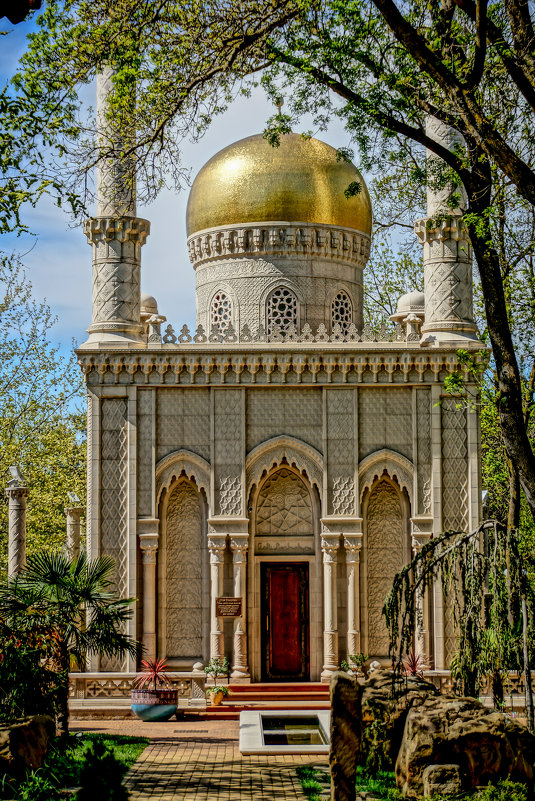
(448, 730)
(442, 780)
(345, 736)
(25, 744)
(387, 699)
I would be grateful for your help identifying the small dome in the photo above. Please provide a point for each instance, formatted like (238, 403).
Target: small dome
(299, 181)
(148, 304)
(411, 302)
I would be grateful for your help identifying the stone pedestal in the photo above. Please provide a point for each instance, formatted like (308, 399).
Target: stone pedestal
(73, 514)
(353, 547)
(329, 547)
(16, 493)
(149, 549)
(216, 546)
(239, 560)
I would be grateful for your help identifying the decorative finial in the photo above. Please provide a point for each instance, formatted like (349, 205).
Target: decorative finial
(279, 102)
(17, 479)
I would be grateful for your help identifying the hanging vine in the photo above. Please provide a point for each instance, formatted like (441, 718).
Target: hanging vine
(481, 575)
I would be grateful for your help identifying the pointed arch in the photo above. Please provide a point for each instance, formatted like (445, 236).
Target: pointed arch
(272, 452)
(182, 462)
(398, 467)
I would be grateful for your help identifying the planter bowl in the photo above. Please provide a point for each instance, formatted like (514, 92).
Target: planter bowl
(154, 705)
(216, 698)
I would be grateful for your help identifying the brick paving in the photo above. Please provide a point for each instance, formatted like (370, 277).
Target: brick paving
(200, 761)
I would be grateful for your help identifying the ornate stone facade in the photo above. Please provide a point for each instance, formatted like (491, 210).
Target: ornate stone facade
(281, 442)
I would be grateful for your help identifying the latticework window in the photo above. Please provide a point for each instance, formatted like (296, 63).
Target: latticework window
(221, 311)
(281, 309)
(342, 310)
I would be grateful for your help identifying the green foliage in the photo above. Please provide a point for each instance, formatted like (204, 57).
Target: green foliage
(505, 790)
(218, 667)
(310, 785)
(67, 609)
(381, 784)
(101, 775)
(37, 787)
(42, 428)
(28, 682)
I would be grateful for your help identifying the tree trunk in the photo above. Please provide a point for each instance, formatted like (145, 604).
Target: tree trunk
(527, 669)
(510, 407)
(63, 692)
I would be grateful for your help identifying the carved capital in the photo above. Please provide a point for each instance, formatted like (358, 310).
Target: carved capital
(329, 547)
(239, 546)
(121, 229)
(149, 547)
(217, 546)
(17, 495)
(353, 546)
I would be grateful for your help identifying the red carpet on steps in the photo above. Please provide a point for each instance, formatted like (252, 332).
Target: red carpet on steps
(276, 695)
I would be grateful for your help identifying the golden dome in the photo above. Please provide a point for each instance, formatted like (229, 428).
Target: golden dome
(299, 181)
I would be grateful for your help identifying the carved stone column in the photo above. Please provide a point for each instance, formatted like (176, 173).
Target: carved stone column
(73, 514)
(420, 627)
(239, 560)
(447, 255)
(16, 492)
(116, 233)
(216, 546)
(149, 550)
(353, 547)
(329, 547)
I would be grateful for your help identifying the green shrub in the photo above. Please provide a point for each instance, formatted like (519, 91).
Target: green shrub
(101, 776)
(37, 787)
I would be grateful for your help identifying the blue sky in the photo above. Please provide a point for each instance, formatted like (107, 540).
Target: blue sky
(57, 257)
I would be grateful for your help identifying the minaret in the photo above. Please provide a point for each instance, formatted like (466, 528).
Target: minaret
(116, 235)
(447, 257)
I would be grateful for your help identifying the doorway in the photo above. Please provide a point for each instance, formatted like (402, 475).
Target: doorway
(285, 640)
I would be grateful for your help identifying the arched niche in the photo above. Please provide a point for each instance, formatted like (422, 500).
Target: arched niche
(183, 613)
(386, 549)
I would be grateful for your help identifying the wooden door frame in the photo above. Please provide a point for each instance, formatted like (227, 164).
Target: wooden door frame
(303, 568)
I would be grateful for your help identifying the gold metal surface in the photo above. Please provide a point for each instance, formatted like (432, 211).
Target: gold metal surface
(300, 181)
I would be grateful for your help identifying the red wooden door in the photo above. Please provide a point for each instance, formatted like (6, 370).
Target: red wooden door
(285, 622)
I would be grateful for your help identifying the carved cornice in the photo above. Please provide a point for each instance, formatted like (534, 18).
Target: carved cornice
(280, 239)
(121, 229)
(272, 365)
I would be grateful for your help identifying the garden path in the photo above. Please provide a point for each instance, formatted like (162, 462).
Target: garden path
(200, 761)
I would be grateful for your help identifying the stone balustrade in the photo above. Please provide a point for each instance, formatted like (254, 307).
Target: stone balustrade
(91, 688)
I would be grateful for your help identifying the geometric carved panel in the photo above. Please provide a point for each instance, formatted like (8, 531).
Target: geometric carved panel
(114, 497)
(183, 573)
(295, 412)
(385, 554)
(228, 450)
(454, 466)
(183, 421)
(340, 451)
(423, 433)
(284, 506)
(145, 444)
(385, 421)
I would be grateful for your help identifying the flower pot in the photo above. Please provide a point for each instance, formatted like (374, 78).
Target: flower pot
(154, 705)
(216, 698)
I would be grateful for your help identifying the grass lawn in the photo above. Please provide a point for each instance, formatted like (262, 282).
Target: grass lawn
(63, 766)
(314, 783)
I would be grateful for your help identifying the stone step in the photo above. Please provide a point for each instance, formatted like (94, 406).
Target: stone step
(278, 687)
(237, 696)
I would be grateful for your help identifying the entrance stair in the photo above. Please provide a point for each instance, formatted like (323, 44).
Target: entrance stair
(273, 696)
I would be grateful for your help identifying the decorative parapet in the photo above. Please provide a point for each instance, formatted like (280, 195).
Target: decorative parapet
(195, 365)
(280, 239)
(229, 335)
(86, 689)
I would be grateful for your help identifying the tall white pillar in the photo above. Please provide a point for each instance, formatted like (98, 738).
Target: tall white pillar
(116, 234)
(148, 544)
(329, 547)
(239, 547)
(216, 547)
(419, 613)
(353, 547)
(447, 254)
(73, 514)
(16, 492)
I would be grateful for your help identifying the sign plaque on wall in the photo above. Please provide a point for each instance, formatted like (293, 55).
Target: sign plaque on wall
(228, 607)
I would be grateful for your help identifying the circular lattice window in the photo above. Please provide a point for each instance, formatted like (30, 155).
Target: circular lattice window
(221, 311)
(281, 309)
(342, 311)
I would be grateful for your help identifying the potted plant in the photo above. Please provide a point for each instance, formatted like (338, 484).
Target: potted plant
(217, 693)
(151, 697)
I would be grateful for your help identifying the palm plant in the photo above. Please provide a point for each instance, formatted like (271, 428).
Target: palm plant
(73, 603)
